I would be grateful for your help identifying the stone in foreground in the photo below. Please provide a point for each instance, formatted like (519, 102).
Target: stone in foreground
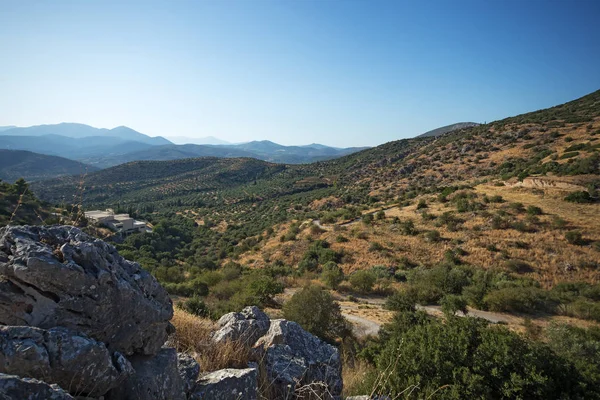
(298, 363)
(60, 276)
(73, 361)
(16, 388)
(228, 384)
(247, 326)
(155, 378)
(189, 369)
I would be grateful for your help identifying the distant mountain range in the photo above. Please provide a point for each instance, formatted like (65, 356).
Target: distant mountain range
(448, 129)
(15, 164)
(78, 131)
(104, 148)
(202, 140)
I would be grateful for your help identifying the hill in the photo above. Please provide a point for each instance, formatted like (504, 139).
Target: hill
(266, 151)
(78, 131)
(15, 164)
(193, 140)
(18, 205)
(448, 128)
(517, 195)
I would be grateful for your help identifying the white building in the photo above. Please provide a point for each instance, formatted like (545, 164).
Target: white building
(118, 222)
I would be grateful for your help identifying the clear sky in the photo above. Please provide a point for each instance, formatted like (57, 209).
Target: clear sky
(337, 72)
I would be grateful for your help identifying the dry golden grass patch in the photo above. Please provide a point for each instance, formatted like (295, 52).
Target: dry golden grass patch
(193, 336)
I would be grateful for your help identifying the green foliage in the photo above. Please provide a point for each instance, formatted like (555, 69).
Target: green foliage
(451, 304)
(332, 275)
(433, 236)
(534, 210)
(407, 227)
(316, 311)
(581, 347)
(400, 301)
(367, 219)
(196, 306)
(317, 254)
(363, 280)
(422, 204)
(520, 299)
(579, 197)
(465, 358)
(574, 237)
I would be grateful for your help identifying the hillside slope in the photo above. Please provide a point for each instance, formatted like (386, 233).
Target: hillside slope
(448, 128)
(16, 164)
(473, 186)
(79, 131)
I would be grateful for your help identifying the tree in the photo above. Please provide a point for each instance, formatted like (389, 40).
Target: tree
(465, 358)
(452, 303)
(363, 280)
(332, 275)
(316, 311)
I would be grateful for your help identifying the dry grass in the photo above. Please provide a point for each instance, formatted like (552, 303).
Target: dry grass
(193, 336)
(551, 257)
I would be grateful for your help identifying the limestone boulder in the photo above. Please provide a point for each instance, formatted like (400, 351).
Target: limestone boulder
(156, 378)
(227, 384)
(248, 325)
(60, 276)
(298, 363)
(15, 387)
(75, 362)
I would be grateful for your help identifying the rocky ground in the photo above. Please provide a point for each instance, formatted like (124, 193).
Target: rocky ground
(80, 322)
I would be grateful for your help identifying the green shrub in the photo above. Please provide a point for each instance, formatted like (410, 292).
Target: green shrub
(465, 358)
(400, 301)
(341, 239)
(534, 210)
(451, 304)
(363, 280)
(332, 275)
(317, 312)
(196, 306)
(574, 237)
(433, 236)
(520, 299)
(408, 227)
(579, 197)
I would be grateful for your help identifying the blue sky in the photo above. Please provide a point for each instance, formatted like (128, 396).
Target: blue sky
(343, 73)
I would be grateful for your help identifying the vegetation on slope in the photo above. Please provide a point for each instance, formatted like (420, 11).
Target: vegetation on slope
(503, 217)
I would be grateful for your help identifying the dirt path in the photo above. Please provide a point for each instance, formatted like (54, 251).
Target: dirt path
(367, 315)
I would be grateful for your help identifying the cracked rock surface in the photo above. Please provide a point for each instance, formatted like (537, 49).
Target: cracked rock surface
(60, 276)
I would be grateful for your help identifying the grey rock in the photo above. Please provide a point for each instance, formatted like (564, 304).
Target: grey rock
(75, 362)
(60, 276)
(248, 326)
(297, 362)
(189, 369)
(228, 384)
(155, 378)
(16, 388)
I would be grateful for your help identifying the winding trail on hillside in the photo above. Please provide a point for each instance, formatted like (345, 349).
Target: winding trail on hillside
(369, 325)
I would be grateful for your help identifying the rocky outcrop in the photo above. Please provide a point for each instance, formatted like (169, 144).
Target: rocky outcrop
(156, 378)
(247, 326)
(14, 387)
(89, 324)
(71, 360)
(228, 384)
(60, 276)
(294, 360)
(189, 369)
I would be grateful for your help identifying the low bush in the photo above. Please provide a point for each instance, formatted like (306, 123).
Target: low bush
(363, 280)
(316, 311)
(581, 197)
